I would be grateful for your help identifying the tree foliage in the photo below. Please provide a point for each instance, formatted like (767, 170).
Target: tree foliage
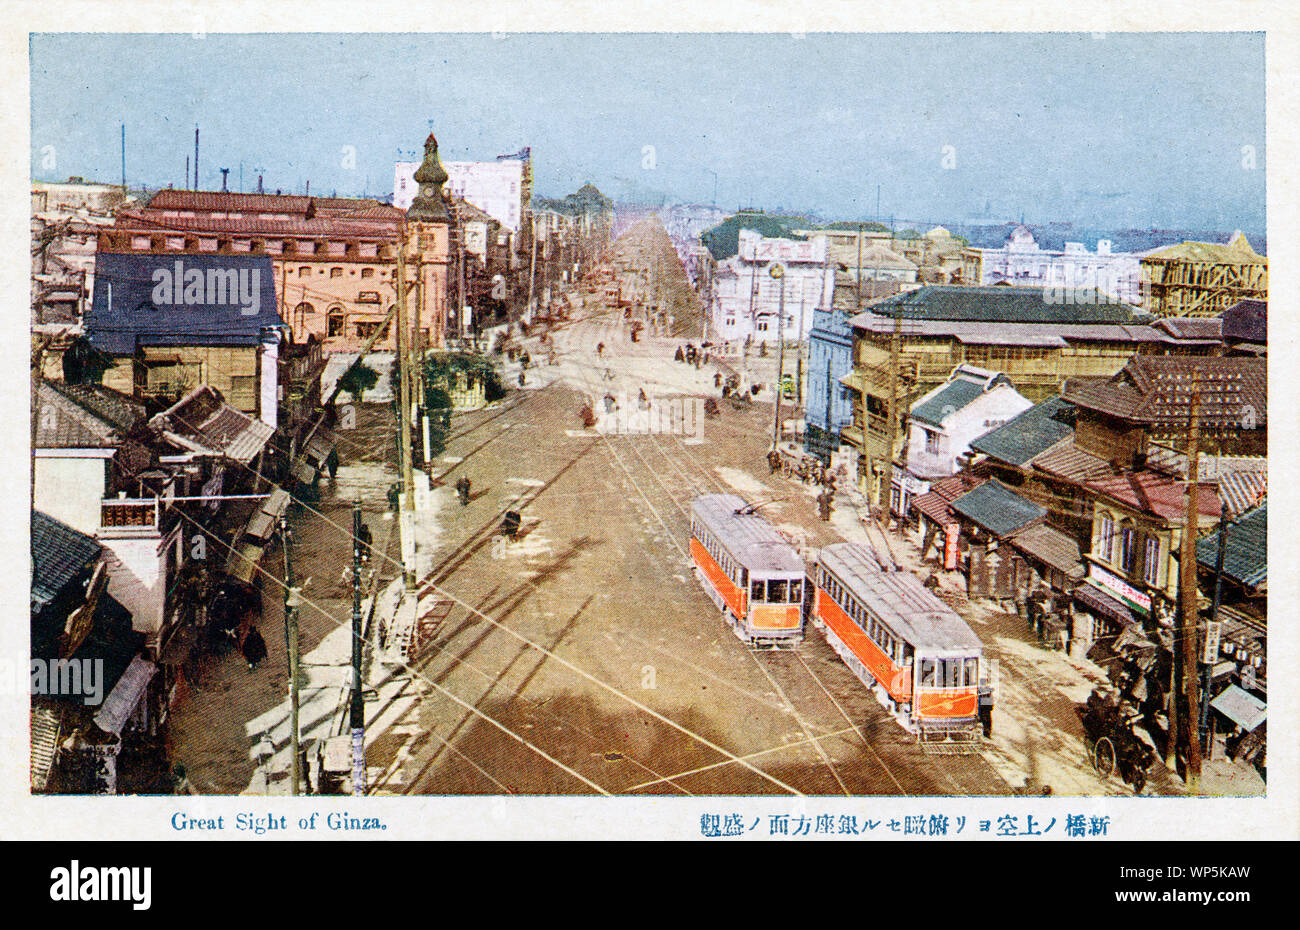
(358, 379)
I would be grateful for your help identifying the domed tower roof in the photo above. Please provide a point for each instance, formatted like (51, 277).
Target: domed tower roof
(428, 203)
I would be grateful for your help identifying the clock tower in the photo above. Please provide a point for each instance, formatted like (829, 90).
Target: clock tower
(428, 248)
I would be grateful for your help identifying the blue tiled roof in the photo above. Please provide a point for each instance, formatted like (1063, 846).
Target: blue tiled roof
(998, 509)
(954, 396)
(1245, 560)
(1032, 432)
(124, 313)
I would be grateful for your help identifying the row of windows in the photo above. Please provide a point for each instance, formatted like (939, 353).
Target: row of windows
(949, 673)
(738, 574)
(336, 272)
(776, 591)
(899, 652)
(1121, 548)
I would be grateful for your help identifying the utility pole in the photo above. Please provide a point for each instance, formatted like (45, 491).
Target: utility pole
(358, 714)
(858, 302)
(798, 368)
(196, 157)
(1220, 556)
(532, 270)
(291, 636)
(1185, 637)
(778, 271)
(124, 158)
(404, 422)
(891, 413)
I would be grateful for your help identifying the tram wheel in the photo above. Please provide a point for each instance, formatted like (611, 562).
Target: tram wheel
(1103, 757)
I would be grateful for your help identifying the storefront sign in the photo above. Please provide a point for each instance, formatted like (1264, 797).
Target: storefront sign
(1213, 631)
(1117, 587)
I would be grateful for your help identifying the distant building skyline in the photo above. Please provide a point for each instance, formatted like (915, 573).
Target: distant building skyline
(1038, 127)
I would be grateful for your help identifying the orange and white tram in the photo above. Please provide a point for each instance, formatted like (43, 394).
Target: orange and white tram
(903, 642)
(749, 570)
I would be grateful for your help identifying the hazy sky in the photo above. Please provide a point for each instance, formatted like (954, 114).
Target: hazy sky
(1114, 129)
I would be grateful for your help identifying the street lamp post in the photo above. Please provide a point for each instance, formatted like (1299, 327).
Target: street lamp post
(777, 271)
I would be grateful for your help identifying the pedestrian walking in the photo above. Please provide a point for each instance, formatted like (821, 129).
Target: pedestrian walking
(774, 460)
(600, 350)
(367, 541)
(462, 489)
(254, 648)
(523, 379)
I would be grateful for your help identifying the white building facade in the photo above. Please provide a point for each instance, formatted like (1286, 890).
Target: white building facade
(498, 188)
(746, 298)
(1021, 261)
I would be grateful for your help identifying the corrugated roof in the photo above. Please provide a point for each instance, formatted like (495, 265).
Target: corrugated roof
(900, 600)
(998, 509)
(59, 554)
(1034, 431)
(1245, 559)
(1066, 460)
(45, 744)
(1242, 490)
(226, 201)
(124, 697)
(1154, 493)
(1050, 545)
(203, 423)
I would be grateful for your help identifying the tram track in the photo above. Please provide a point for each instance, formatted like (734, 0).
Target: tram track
(839, 707)
(788, 706)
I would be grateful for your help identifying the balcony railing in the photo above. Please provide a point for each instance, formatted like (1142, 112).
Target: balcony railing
(130, 513)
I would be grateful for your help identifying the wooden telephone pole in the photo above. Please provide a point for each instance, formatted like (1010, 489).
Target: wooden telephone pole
(291, 635)
(1186, 632)
(891, 413)
(777, 271)
(407, 499)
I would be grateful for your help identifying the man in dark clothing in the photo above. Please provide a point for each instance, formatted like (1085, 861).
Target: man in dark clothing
(254, 648)
(462, 489)
(366, 542)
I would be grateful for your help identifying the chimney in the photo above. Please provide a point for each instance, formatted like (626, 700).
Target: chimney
(259, 184)
(224, 172)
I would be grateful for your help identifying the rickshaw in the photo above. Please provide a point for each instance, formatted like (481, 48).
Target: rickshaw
(1113, 743)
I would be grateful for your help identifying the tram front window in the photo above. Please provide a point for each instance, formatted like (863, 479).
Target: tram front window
(756, 591)
(777, 591)
(927, 673)
(951, 673)
(796, 592)
(972, 673)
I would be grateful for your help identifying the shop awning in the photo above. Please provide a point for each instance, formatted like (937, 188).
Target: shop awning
(125, 696)
(1241, 707)
(1097, 600)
